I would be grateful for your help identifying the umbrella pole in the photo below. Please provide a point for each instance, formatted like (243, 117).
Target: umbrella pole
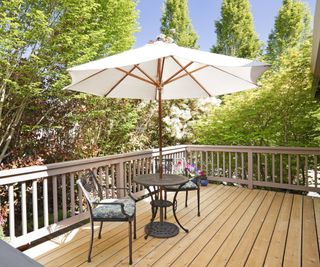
(160, 131)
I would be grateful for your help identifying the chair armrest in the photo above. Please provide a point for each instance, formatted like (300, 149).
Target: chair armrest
(114, 204)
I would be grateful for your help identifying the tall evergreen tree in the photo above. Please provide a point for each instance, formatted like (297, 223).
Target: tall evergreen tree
(291, 28)
(176, 16)
(235, 31)
(179, 114)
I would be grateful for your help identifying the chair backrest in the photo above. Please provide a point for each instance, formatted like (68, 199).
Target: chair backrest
(172, 166)
(90, 187)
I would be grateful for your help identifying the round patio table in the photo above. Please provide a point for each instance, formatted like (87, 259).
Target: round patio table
(161, 228)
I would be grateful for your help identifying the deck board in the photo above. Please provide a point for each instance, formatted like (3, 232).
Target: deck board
(237, 227)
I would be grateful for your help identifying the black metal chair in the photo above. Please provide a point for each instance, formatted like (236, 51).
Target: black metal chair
(107, 209)
(170, 166)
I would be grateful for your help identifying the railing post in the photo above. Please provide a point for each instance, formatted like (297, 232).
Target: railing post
(250, 169)
(120, 178)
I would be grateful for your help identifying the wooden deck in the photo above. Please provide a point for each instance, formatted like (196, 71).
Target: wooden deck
(237, 227)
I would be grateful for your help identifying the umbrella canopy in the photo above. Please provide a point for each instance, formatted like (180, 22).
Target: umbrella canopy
(180, 72)
(161, 70)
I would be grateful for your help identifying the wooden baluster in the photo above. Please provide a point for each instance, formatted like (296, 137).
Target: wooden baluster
(218, 164)
(265, 167)
(134, 174)
(242, 166)
(212, 163)
(207, 162)
(107, 180)
(129, 175)
(236, 165)
(72, 200)
(113, 181)
(223, 164)
(273, 168)
(297, 169)
(258, 167)
(230, 165)
(306, 178)
(120, 179)
(281, 169)
(11, 213)
(139, 171)
(143, 166)
(250, 170)
(45, 202)
(24, 208)
(289, 169)
(315, 171)
(80, 198)
(64, 196)
(55, 198)
(35, 204)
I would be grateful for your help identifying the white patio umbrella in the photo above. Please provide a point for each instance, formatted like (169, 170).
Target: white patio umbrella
(161, 70)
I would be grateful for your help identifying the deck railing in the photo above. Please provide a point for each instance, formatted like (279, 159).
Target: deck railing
(51, 192)
(277, 167)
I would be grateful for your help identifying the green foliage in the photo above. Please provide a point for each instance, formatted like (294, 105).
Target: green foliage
(176, 16)
(235, 31)
(291, 28)
(280, 113)
(39, 40)
(179, 114)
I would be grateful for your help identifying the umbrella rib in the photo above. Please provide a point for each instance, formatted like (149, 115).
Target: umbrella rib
(135, 76)
(232, 75)
(161, 71)
(192, 77)
(125, 76)
(179, 71)
(186, 74)
(90, 76)
(146, 74)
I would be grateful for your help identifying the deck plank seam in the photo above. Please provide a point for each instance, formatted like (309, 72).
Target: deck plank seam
(195, 255)
(264, 219)
(241, 216)
(245, 230)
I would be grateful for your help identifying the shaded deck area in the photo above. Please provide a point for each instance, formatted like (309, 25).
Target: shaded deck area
(237, 227)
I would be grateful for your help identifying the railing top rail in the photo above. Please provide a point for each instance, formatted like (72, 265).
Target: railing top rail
(6, 176)
(261, 149)
(34, 172)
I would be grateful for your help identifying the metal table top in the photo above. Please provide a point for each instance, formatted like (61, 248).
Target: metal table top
(154, 179)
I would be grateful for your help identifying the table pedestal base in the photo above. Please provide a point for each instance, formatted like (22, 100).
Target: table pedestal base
(161, 229)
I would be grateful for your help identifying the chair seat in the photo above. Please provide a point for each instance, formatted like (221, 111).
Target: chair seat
(114, 211)
(187, 186)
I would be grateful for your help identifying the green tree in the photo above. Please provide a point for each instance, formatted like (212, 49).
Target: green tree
(179, 114)
(39, 40)
(280, 113)
(175, 17)
(291, 28)
(235, 31)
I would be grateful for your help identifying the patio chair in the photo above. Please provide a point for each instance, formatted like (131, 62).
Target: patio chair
(107, 209)
(171, 166)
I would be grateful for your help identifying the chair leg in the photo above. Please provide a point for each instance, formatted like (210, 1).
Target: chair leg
(198, 196)
(130, 242)
(135, 226)
(101, 223)
(91, 241)
(186, 201)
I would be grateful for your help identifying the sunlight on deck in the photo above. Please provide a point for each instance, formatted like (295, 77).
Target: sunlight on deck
(237, 227)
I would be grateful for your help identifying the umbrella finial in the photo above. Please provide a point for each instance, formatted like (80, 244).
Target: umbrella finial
(166, 39)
